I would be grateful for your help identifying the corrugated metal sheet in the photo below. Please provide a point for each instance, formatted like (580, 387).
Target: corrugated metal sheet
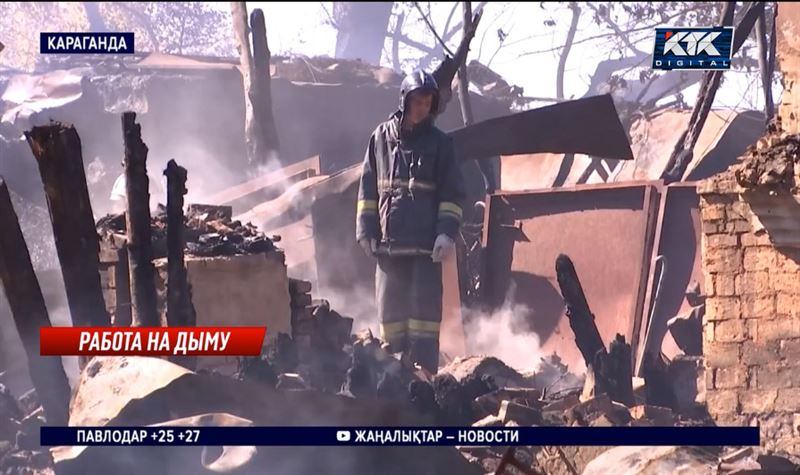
(27, 94)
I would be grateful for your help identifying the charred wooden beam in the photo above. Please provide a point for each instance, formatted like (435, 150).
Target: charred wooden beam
(179, 307)
(612, 369)
(137, 220)
(30, 313)
(683, 154)
(57, 149)
(581, 319)
(180, 310)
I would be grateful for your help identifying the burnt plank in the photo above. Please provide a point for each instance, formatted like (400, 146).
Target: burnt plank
(137, 220)
(57, 149)
(30, 313)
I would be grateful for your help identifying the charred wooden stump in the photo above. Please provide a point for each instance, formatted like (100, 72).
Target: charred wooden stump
(57, 149)
(140, 249)
(619, 374)
(30, 314)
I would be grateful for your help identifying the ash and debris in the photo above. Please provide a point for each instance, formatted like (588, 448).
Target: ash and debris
(20, 420)
(210, 231)
(771, 162)
(482, 391)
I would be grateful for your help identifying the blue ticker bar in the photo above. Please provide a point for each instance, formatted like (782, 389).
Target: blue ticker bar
(411, 436)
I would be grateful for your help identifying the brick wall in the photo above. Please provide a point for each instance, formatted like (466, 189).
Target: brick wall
(752, 322)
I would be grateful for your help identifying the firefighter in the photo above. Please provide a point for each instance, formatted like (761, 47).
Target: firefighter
(408, 215)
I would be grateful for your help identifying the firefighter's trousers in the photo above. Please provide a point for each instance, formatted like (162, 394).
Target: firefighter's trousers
(409, 299)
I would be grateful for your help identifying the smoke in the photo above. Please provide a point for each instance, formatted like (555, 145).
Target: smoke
(504, 334)
(206, 173)
(357, 303)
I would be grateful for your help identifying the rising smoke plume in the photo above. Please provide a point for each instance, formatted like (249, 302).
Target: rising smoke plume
(504, 334)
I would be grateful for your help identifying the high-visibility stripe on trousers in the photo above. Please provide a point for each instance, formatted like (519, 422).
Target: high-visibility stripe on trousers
(408, 294)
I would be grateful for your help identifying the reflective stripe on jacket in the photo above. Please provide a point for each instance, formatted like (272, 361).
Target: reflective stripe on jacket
(411, 188)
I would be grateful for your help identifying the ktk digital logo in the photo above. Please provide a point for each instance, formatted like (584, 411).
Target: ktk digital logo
(693, 48)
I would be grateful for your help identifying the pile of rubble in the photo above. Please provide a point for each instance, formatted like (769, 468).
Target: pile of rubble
(484, 392)
(20, 421)
(210, 231)
(478, 391)
(772, 162)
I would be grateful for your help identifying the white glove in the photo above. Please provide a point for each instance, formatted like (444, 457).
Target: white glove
(370, 246)
(443, 248)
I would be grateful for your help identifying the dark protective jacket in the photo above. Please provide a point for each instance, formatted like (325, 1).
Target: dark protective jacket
(411, 188)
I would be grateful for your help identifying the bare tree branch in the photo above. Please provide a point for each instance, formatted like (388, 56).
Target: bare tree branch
(562, 61)
(401, 17)
(416, 44)
(450, 17)
(606, 35)
(614, 27)
(330, 17)
(432, 29)
(144, 22)
(435, 53)
(463, 81)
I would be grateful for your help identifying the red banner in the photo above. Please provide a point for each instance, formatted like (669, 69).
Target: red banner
(151, 341)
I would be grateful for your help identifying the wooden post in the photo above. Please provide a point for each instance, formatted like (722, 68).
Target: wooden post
(30, 313)
(137, 219)
(180, 311)
(177, 282)
(57, 149)
(260, 133)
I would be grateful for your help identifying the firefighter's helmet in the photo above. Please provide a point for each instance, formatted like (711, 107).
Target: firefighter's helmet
(419, 81)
